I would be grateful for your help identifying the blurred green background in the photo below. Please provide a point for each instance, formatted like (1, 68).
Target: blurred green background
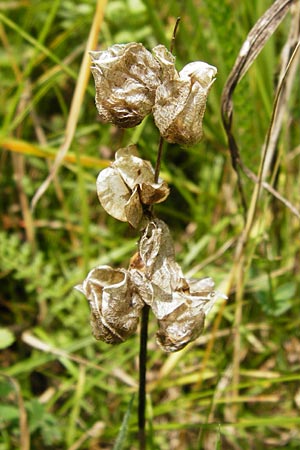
(60, 388)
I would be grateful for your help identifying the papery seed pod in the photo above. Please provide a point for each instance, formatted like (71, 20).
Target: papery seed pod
(129, 184)
(180, 100)
(179, 304)
(175, 333)
(186, 322)
(126, 78)
(156, 250)
(157, 253)
(156, 244)
(114, 302)
(166, 61)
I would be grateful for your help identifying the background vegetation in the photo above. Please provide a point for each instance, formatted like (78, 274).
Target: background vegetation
(237, 386)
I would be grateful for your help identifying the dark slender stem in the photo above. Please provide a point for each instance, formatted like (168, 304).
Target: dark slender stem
(174, 35)
(145, 313)
(143, 341)
(158, 159)
(142, 381)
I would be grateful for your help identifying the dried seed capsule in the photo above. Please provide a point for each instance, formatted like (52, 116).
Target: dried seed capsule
(126, 77)
(115, 304)
(127, 185)
(185, 322)
(180, 100)
(179, 304)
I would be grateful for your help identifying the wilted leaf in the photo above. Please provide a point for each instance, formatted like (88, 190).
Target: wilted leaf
(250, 49)
(7, 338)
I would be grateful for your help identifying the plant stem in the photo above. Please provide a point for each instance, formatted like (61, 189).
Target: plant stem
(145, 313)
(174, 34)
(142, 381)
(144, 339)
(158, 159)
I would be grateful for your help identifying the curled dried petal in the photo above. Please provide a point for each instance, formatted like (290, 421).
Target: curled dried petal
(202, 72)
(151, 193)
(114, 302)
(133, 169)
(133, 209)
(157, 254)
(175, 334)
(138, 172)
(166, 61)
(179, 304)
(180, 103)
(126, 77)
(156, 244)
(186, 322)
(129, 184)
(143, 285)
(113, 193)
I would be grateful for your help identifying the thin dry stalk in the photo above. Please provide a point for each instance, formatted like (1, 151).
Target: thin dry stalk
(23, 419)
(42, 139)
(19, 172)
(254, 43)
(289, 63)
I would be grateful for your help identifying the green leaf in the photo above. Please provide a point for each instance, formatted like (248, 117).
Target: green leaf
(8, 412)
(5, 388)
(7, 338)
(119, 444)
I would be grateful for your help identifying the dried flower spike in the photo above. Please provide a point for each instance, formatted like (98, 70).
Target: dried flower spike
(129, 184)
(126, 78)
(115, 304)
(180, 100)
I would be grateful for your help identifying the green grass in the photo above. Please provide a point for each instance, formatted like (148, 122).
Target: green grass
(237, 386)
